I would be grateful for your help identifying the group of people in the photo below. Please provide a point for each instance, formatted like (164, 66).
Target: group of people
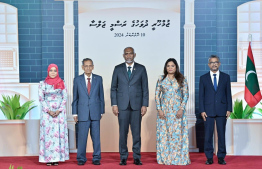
(129, 101)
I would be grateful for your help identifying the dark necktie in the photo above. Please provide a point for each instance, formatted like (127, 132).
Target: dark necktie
(129, 71)
(88, 86)
(215, 82)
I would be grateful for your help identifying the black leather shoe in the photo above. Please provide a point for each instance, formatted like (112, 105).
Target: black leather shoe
(137, 162)
(209, 161)
(81, 163)
(122, 162)
(221, 161)
(96, 162)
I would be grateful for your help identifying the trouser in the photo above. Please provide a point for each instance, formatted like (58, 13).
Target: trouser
(209, 131)
(133, 118)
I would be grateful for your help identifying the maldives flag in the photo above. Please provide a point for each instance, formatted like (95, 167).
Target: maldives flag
(252, 91)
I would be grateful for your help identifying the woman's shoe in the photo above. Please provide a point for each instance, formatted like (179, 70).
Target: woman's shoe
(48, 164)
(55, 163)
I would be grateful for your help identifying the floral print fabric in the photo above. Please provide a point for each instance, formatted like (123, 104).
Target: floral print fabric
(53, 131)
(172, 133)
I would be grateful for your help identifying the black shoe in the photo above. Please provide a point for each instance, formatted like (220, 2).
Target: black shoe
(137, 162)
(221, 161)
(48, 164)
(55, 163)
(122, 162)
(97, 162)
(81, 163)
(209, 161)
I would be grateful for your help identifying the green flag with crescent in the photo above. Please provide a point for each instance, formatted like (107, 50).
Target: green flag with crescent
(252, 91)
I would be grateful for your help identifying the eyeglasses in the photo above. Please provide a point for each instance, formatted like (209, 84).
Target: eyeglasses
(213, 63)
(88, 66)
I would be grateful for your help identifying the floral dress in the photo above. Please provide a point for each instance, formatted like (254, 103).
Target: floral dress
(172, 133)
(53, 131)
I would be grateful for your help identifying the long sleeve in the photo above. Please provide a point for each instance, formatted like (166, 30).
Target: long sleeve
(101, 95)
(114, 88)
(185, 95)
(75, 98)
(41, 95)
(64, 99)
(145, 88)
(157, 94)
(229, 96)
(201, 95)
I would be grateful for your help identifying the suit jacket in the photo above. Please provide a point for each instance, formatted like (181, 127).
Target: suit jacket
(133, 90)
(85, 105)
(215, 103)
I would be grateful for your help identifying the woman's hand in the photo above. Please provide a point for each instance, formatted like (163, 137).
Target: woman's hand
(161, 115)
(56, 113)
(51, 113)
(179, 114)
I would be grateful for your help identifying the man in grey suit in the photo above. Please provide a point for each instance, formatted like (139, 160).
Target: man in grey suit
(87, 108)
(129, 100)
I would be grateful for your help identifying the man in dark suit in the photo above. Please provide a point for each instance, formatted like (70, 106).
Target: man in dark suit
(129, 100)
(87, 108)
(215, 104)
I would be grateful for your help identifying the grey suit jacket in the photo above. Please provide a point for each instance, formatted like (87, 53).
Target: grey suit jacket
(133, 90)
(85, 105)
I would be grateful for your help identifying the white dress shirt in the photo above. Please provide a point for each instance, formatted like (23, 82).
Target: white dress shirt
(130, 66)
(87, 80)
(212, 77)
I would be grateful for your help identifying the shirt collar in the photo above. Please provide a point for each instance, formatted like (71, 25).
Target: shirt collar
(88, 77)
(217, 73)
(130, 65)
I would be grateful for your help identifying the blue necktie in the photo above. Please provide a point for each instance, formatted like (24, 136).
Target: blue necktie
(215, 82)
(129, 71)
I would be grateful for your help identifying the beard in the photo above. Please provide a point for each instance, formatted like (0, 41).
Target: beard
(214, 69)
(129, 61)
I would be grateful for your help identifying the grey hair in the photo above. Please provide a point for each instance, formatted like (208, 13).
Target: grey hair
(213, 56)
(87, 59)
(129, 48)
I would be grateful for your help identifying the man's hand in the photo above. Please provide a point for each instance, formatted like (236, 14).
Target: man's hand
(143, 110)
(204, 115)
(161, 115)
(228, 114)
(76, 119)
(115, 110)
(179, 114)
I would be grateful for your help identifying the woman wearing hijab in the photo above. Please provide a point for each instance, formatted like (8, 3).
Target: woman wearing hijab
(53, 125)
(172, 130)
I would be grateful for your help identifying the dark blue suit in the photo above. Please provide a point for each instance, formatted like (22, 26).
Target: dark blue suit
(89, 109)
(215, 104)
(129, 95)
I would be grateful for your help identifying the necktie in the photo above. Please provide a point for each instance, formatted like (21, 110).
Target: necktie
(215, 82)
(129, 71)
(88, 86)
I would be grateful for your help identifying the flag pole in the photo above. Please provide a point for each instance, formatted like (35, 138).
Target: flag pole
(250, 37)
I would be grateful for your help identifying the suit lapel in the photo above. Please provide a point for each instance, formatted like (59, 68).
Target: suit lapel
(210, 81)
(93, 83)
(125, 71)
(220, 80)
(133, 71)
(83, 83)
